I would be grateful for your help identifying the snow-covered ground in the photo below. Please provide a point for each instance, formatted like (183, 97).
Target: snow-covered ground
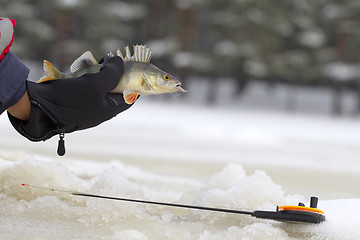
(219, 157)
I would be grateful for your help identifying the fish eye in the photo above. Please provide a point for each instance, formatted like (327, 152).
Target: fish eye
(167, 77)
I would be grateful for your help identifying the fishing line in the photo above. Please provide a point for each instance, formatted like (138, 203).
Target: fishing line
(146, 122)
(295, 214)
(74, 193)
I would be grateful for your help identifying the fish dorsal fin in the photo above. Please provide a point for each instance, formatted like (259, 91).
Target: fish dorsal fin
(140, 54)
(86, 60)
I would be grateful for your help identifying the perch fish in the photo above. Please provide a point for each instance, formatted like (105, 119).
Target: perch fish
(140, 77)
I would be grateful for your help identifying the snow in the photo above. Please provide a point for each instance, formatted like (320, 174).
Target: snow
(162, 47)
(218, 157)
(125, 11)
(186, 4)
(341, 71)
(226, 48)
(313, 38)
(256, 68)
(188, 59)
(68, 3)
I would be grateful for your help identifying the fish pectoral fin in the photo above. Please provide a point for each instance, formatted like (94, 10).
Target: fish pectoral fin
(130, 96)
(50, 72)
(85, 61)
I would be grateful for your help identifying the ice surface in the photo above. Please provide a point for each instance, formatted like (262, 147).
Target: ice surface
(204, 156)
(38, 214)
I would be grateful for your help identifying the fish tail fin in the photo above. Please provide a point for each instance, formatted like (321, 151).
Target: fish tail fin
(50, 72)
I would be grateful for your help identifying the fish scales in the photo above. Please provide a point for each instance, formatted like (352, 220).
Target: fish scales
(140, 77)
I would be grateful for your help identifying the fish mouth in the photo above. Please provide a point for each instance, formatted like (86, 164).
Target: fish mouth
(180, 89)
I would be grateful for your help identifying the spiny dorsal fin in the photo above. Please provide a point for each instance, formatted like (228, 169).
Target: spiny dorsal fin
(118, 53)
(141, 54)
(86, 60)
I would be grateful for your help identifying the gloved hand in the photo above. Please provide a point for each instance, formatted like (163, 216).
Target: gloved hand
(66, 105)
(6, 35)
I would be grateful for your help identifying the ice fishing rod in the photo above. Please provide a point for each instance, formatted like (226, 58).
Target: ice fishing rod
(295, 214)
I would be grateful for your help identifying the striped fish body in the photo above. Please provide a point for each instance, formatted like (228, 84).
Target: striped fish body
(62, 75)
(140, 77)
(86, 63)
(146, 79)
(133, 79)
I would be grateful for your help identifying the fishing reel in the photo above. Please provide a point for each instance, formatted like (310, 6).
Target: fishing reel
(295, 214)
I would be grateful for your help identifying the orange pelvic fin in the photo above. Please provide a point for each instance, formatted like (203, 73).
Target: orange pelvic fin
(130, 97)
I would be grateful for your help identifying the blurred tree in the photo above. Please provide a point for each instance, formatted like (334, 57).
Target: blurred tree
(294, 42)
(340, 22)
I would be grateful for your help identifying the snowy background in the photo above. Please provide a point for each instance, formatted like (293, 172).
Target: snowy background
(177, 152)
(271, 118)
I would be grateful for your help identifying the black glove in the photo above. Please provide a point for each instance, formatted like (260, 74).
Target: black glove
(66, 105)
